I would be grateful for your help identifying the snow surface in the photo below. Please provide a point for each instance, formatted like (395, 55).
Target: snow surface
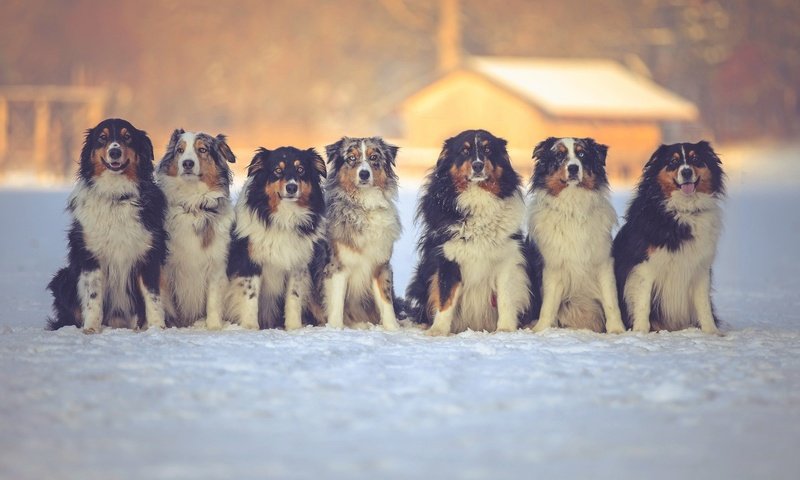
(315, 403)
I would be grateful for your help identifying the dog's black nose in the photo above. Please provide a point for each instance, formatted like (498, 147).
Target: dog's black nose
(686, 173)
(188, 164)
(291, 188)
(477, 167)
(363, 174)
(115, 153)
(572, 169)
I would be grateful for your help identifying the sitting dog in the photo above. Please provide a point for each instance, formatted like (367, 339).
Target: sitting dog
(472, 267)
(195, 178)
(664, 252)
(570, 221)
(363, 225)
(117, 240)
(278, 248)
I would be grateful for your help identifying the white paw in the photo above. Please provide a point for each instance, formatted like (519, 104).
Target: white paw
(505, 326)
(213, 323)
(437, 331)
(540, 327)
(91, 330)
(615, 327)
(249, 325)
(293, 325)
(643, 327)
(713, 331)
(391, 325)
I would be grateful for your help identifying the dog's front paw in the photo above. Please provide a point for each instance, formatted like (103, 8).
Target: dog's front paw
(391, 325)
(249, 325)
(712, 331)
(506, 326)
(213, 323)
(91, 330)
(540, 327)
(642, 327)
(437, 331)
(615, 327)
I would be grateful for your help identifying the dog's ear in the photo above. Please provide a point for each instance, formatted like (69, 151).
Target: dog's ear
(223, 150)
(599, 149)
(446, 146)
(334, 151)
(391, 150)
(708, 152)
(319, 162)
(169, 153)
(257, 164)
(659, 151)
(145, 146)
(543, 147)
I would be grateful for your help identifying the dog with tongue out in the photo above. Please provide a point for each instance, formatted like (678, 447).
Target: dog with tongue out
(664, 252)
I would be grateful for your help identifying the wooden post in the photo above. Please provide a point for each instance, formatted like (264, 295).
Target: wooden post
(41, 125)
(3, 128)
(449, 36)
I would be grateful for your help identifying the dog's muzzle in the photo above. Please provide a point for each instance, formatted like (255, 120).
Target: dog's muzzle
(478, 171)
(115, 163)
(291, 191)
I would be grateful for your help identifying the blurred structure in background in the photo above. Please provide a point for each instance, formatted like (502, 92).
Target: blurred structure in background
(305, 72)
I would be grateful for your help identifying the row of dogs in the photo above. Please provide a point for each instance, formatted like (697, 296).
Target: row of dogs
(310, 242)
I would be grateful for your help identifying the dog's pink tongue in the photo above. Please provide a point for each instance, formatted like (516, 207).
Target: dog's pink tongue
(687, 188)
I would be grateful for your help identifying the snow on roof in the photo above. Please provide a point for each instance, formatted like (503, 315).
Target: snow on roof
(584, 88)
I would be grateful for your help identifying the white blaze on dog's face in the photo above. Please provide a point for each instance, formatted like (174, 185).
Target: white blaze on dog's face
(573, 168)
(186, 155)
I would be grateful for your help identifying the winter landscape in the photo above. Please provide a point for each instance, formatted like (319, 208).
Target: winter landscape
(317, 403)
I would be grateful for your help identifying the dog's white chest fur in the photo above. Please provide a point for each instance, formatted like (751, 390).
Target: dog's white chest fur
(198, 242)
(482, 247)
(573, 233)
(677, 274)
(113, 232)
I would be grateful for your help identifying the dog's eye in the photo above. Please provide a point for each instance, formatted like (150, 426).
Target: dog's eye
(102, 138)
(301, 170)
(127, 137)
(580, 154)
(180, 150)
(373, 157)
(486, 150)
(465, 151)
(278, 171)
(202, 150)
(351, 158)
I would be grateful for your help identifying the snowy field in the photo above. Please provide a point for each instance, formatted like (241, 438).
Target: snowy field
(190, 404)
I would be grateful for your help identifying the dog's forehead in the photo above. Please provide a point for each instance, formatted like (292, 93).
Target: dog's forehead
(204, 139)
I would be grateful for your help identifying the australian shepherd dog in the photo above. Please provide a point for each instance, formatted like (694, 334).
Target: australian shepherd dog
(117, 243)
(570, 219)
(363, 225)
(663, 253)
(277, 251)
(472, 268)
(195, 178)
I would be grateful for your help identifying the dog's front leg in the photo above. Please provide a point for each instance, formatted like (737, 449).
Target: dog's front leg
(443, 295)
(383, 294)
(244, 300)
(335, 289)
(702, 305)
(608, 292)
(297, 287)
(513, 295)
(552, 291)
(90, 295)
(638, 296)
(216, 285)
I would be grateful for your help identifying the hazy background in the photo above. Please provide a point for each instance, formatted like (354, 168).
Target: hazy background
(306, 72)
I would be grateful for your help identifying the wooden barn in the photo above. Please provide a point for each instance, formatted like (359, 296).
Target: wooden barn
(525, 100)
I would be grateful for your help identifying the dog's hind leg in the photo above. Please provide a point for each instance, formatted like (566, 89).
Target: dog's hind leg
(383, 294)
(552, 291)
(608, 292)
(443, 296)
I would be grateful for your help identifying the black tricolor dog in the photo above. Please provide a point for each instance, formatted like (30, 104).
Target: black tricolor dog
(471, 272)
(664, 252)
(278, 249)
(117, 240)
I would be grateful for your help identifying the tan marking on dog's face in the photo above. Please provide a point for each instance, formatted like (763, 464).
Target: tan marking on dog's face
(589, 180)
(347, 178)
(125, 141)
(273, 189)
(562, 148)
(379, 178)
(667, 180)
(556, 182)
(209, 173)
(460, 176)
(493, 173)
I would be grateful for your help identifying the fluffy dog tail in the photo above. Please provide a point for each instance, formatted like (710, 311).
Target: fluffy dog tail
(65, 300)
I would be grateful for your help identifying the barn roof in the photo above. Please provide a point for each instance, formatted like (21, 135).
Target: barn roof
(581, 88)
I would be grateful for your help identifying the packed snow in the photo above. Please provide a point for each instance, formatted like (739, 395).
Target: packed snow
(317, 403)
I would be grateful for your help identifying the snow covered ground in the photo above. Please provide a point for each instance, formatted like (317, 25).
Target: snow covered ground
(191, 404)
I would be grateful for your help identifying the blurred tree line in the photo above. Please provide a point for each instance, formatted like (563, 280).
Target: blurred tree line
(306, 66)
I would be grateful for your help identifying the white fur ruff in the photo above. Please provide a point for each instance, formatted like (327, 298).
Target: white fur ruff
(195, 276)
(680, 281)
(114, 234)
(491, 262)
(573, 233)
(284, 255)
